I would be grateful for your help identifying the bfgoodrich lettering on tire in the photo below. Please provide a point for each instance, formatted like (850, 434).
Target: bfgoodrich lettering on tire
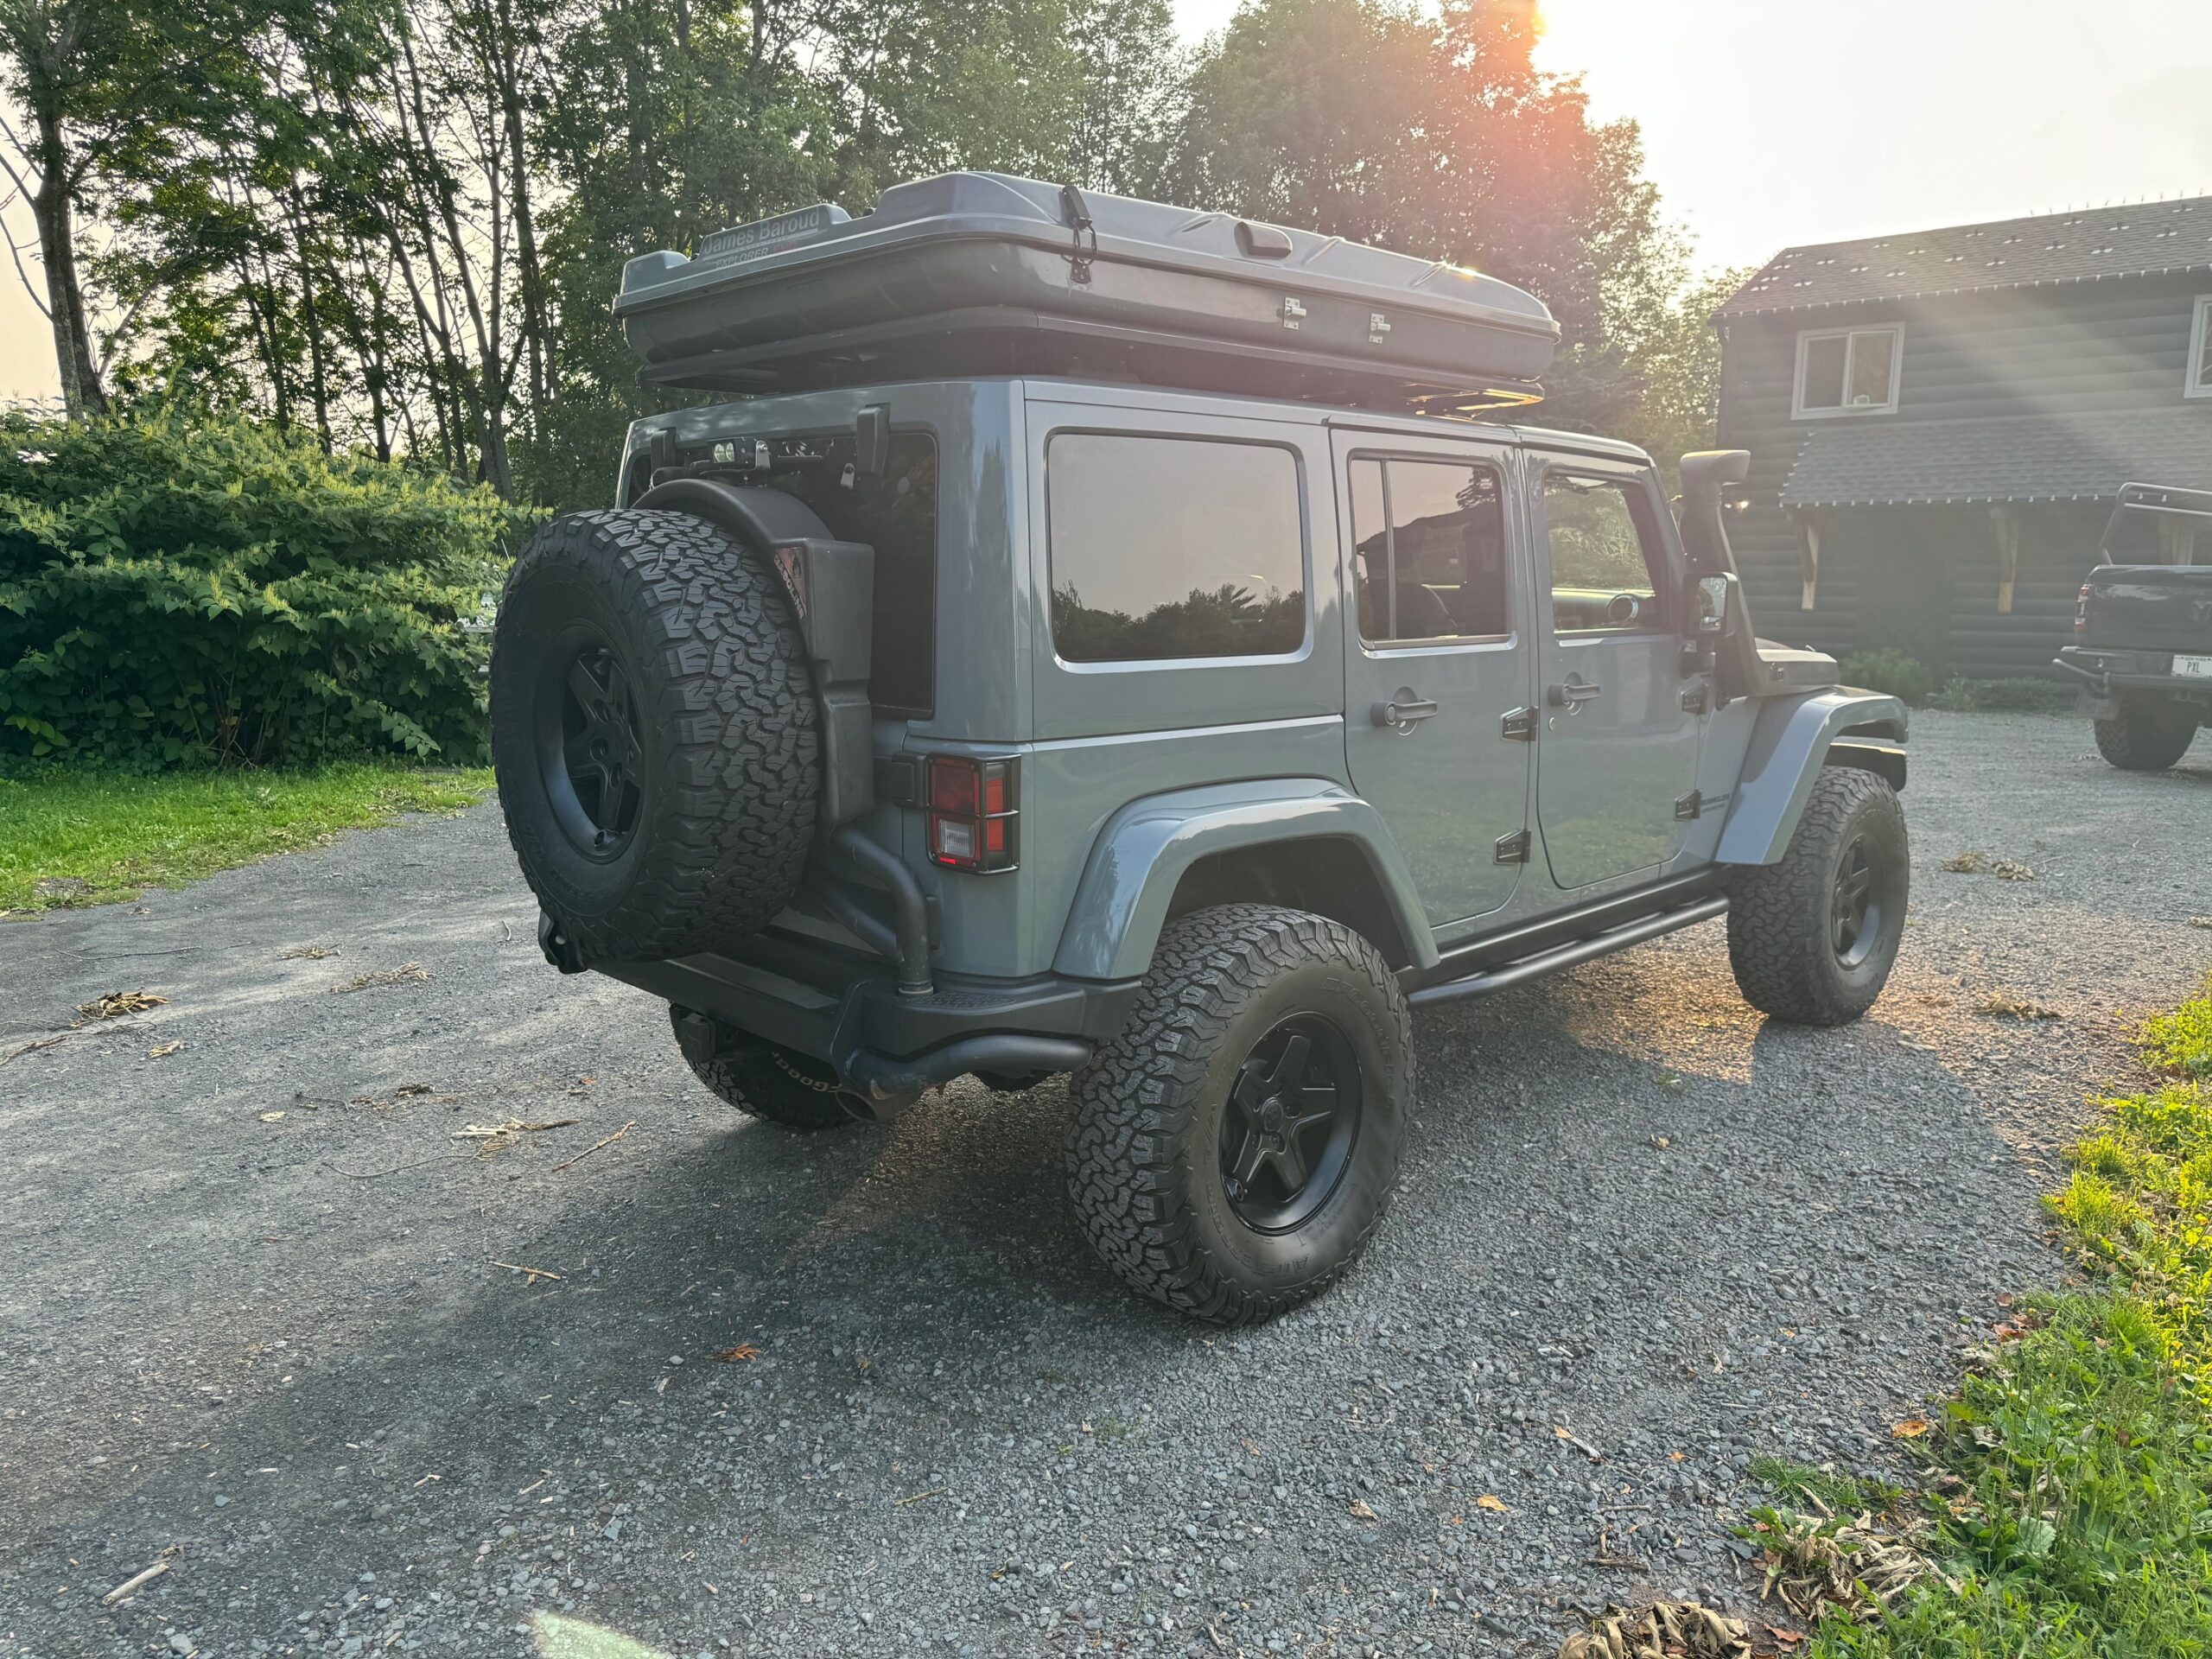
(654, 728)
(1813, 939)
(1232, 1149)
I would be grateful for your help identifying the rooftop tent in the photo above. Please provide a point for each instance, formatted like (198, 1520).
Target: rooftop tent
(983, 273)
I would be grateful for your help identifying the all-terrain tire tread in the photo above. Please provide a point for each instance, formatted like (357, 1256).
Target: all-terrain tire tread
(1132, 1102)
(750, 1083)
(2141, 736)
(1770, 946)
(729, 707)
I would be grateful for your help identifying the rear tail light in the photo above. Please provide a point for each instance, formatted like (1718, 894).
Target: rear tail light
(2082, 613)
(973, 815)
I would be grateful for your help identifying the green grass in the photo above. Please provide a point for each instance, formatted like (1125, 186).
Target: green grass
(2068, 1490)
(71, 838)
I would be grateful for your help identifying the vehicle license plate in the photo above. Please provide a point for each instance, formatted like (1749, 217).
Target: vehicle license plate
(2195, 668)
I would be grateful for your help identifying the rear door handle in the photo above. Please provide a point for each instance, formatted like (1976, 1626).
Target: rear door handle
(1403, 711)
(1572, 693)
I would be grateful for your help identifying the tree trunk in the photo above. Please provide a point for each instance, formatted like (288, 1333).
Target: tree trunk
(81, 392)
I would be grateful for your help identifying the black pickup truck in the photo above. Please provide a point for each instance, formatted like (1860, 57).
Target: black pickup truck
(2143, 633)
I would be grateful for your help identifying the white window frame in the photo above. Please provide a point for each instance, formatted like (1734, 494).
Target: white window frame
(2196, 373)
(1894, 330)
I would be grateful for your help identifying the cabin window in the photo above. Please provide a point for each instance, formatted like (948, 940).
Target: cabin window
(1164, 548)
(1431, 551)
(2200, 351)
(1848, 371)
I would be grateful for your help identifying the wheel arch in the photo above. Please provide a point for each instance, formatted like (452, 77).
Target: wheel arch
(1306, 843)
(1789, 743)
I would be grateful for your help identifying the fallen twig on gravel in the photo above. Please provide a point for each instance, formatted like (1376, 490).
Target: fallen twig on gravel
(33, 1046)
(378, 1174)
(534, 1273)
(137, 1580)
(587, 1151)
(1579, 1445)
(934, 1491)
(406, 974)
(495, 1136)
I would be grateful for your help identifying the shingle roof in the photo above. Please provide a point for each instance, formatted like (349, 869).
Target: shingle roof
(2089, 245)
(2016, 458)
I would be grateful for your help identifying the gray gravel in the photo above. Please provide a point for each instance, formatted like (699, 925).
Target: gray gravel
(280, 1345)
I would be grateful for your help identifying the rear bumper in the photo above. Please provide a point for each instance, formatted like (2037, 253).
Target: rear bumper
(845, 1008)
(2105, 670)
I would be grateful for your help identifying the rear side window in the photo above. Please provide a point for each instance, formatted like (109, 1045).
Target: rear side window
(1431, 546)
(1167, 548)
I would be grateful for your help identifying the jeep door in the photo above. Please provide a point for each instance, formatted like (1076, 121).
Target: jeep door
(1617, 756)
(1438, 667)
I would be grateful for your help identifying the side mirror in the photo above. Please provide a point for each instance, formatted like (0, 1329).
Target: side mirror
(1714, 606)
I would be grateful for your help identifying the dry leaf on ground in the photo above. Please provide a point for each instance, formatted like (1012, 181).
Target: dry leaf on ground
(744, 1350)
(1666, 1630)
(116, 1004)
(163, 1051)
(1495, 1505)
(1359, 1511)
(1819, 1563)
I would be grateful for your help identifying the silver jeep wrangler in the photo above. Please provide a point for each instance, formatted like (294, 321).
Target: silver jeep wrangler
(1089, 651)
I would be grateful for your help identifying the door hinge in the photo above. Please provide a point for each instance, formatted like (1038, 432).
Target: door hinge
(1690, 805)
(1513, 848)
(1518, 725)
(1693, 698)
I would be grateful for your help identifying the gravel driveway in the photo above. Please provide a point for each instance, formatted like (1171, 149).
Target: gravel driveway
(258, 1306)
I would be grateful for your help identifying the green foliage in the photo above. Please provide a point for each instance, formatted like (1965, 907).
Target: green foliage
(2068, 1498)
(1838, 1494)
(1435, 134)
(2180, 1042)
(70, 837)
(2020, 695)
(1892, 672)
(177, 591)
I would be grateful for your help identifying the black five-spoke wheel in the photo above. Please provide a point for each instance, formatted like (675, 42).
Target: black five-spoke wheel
(1293, 1116)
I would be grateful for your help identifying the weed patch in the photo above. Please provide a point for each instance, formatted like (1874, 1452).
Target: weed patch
(2065, 1507)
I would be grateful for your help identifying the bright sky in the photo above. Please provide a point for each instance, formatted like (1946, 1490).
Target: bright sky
(1773, 121)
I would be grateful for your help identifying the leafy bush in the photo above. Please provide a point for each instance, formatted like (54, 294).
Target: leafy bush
(177, 590)
(1892, 672)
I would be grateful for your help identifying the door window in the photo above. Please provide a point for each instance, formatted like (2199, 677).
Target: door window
(1430, 539)
(1164, 548)
(1605, 555)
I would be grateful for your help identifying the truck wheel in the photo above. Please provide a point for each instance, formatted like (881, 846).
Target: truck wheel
(2146, 733)
(1232, 1148)
(795, 1091)
(654, 732)
(1813, 939)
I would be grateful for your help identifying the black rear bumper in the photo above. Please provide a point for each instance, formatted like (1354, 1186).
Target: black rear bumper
(846, 1009)
(2106, 669)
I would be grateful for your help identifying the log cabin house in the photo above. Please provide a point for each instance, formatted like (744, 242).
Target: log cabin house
(1940, 420)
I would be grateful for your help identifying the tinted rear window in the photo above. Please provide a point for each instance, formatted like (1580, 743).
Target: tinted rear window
(1166, 547)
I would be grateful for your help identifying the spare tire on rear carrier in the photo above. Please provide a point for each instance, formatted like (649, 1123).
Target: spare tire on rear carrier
(655, 732)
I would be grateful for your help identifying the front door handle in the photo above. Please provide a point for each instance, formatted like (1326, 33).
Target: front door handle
(1572, 693)
(1403, 711)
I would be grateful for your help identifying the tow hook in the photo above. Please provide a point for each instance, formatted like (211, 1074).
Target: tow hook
(560, 950)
